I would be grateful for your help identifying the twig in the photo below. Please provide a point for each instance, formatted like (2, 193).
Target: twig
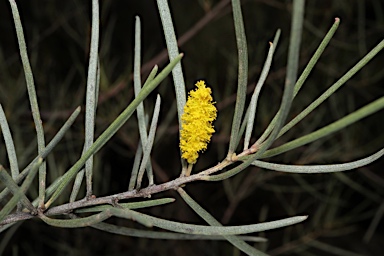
(145, 193)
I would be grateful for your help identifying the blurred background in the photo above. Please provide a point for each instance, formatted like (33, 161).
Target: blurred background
(345, 209)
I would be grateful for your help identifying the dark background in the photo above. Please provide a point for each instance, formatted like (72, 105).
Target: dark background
(341, 206)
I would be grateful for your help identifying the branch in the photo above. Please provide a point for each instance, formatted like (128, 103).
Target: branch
(113, 199)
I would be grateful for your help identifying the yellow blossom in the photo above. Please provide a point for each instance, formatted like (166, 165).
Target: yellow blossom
(197, 128)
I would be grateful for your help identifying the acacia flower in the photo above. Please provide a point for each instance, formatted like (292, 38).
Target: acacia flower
(196, 126)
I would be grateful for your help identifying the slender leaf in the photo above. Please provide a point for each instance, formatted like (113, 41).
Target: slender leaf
(327, 130)
(77, 223)
(246, 117)
(9, 144)
(204, 230)
(164, 235)
(90, 104)
(135, 167)
(149, 145)
(173, 52)
(141, 117)
(242, 76)
(76, 185)
(236, 241)
(255, 96)
(319, 168)
(32, 97)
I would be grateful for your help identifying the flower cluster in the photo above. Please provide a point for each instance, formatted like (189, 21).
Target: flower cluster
(197, 128)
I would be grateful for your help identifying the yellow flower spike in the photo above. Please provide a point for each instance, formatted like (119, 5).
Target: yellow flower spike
(196, 127)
